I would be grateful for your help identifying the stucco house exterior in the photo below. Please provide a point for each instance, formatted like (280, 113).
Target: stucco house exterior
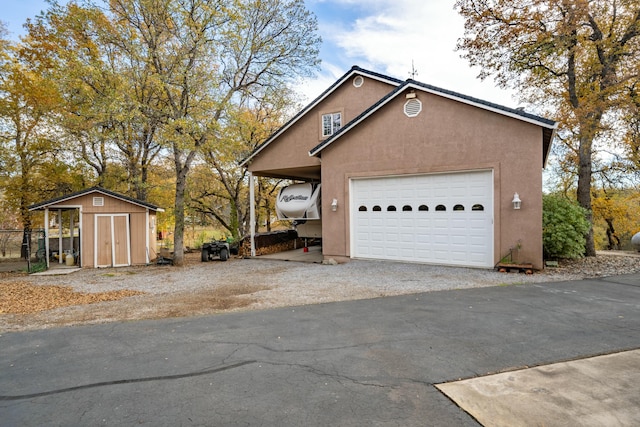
(416, 173)
(114, 230)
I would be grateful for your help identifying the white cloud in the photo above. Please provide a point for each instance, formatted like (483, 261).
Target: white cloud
(387, 36)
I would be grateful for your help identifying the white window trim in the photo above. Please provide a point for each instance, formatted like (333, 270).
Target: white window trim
(333, 130)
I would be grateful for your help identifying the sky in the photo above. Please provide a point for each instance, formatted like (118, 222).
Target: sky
(391, 37)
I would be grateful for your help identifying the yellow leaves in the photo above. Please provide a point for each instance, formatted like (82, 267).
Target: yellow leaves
(26, 298)
(621, 209)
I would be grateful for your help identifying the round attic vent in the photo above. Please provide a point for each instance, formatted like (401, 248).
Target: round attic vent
(358, 81)
(412, 107)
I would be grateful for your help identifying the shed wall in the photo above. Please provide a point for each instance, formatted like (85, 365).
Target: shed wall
(140, 230)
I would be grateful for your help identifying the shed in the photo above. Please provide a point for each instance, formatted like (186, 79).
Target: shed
(415, 173)
(114, 230)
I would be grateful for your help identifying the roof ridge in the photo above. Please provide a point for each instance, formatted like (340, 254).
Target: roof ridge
(511, 110)
(316, 101)
(93, 189)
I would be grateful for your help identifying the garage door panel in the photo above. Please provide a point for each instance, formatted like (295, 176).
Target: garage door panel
(457, 236)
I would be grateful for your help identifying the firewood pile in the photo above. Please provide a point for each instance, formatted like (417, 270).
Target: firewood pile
(271, 243)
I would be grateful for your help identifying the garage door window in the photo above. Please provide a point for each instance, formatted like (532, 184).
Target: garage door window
(423, 208)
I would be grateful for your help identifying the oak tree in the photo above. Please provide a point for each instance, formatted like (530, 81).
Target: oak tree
(575, 59)
(28, 104)
(205, 55)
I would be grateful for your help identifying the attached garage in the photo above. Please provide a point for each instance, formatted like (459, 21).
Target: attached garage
(415, 173)
(435, 218)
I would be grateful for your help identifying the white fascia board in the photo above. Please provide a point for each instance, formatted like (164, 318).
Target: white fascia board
(315, 103)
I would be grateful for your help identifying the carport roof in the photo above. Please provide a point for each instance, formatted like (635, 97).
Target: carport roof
(54, 201)
(549, 126)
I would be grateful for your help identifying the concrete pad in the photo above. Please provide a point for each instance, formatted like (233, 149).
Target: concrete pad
(598, 391)
(313, 255)
(57, 271)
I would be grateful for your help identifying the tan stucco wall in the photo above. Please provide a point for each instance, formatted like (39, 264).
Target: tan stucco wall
(446, 136)
(291, 150)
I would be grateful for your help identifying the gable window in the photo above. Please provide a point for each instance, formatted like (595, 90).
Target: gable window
(331, 124)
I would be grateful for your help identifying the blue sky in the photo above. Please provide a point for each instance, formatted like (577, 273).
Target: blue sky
(385, 36)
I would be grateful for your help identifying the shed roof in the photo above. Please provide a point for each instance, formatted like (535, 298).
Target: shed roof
(549, 126)
(47, 203)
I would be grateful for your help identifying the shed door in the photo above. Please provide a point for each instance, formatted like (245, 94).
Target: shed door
(439, 219)
(112, 244)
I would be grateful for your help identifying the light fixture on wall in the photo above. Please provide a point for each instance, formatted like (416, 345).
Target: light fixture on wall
(516, 201)
(334, 205)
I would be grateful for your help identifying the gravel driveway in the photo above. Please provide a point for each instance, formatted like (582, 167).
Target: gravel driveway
(241, 284)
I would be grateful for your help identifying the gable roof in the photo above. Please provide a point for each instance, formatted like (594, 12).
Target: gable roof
(355, 70)
(100, 190)
(549, 126)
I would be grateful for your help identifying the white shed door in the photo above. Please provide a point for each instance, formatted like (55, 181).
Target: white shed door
(439, 219)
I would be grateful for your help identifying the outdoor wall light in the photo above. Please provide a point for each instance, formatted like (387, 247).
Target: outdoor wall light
(334, 205)
(516, 201)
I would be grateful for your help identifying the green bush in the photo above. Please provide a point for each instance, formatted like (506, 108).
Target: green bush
(564, 227)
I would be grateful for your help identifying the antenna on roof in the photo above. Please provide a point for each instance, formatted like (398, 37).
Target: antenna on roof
(413, 73)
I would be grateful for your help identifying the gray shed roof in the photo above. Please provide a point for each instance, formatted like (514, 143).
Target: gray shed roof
(54, 201)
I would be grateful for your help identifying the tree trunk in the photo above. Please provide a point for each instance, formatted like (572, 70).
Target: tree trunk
(584, 189)
(612, 237)
(178, 230)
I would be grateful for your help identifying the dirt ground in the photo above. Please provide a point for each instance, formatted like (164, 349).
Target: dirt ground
(27, 304)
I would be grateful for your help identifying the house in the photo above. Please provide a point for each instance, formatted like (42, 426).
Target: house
(411, 172)
(114, 230)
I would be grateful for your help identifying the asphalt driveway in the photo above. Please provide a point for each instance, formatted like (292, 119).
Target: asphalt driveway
(356, 363)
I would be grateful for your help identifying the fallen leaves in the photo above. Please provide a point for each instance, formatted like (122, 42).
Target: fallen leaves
(26, 298)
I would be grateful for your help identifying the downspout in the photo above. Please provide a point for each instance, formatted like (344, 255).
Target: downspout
(80, 245)
(71, 231)
(46, 235)
(59, 236)
(147, 233)
(252, 214)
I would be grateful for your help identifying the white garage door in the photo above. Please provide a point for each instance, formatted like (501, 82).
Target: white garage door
(440, 218)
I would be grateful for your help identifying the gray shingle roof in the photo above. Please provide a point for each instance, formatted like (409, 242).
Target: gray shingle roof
(548, 125)
(353, 71)
(56, 200)
(519, 114)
